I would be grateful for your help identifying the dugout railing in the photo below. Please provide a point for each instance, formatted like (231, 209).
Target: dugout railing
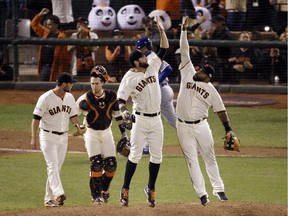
(14, 44)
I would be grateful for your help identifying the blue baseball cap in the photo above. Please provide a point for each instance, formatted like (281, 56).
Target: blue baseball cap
(142, 42)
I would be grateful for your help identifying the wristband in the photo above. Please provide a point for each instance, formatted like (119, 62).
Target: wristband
(227, 126)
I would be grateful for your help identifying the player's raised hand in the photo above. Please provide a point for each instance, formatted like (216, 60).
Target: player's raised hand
(159, 23)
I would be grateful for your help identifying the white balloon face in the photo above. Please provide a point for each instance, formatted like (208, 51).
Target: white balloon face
(130, 17)
(202, 11)
(102, 18)
(164, 18)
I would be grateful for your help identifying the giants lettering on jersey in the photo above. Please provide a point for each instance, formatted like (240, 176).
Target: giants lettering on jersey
(57, 109)
(193, 86)
(145, 82)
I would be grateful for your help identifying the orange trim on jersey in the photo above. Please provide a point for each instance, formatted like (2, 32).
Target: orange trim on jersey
(94, 109)
(95, 174)
(185, 65)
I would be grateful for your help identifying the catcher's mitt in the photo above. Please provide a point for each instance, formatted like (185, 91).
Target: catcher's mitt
(81, 129)
(123, 147)
(231, 142)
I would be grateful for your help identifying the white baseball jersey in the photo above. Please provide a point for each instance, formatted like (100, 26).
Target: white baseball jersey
(195, 98)
(143, 87)
(54, 111)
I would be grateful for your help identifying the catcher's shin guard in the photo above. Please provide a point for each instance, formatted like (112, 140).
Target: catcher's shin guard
(96, 187)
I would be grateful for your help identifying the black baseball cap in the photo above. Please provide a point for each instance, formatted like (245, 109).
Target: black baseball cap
(65, 78)
(208, 70)
(134, 56)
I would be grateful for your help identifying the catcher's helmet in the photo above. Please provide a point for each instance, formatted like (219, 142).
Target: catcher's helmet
(100, 71)
(142, 42)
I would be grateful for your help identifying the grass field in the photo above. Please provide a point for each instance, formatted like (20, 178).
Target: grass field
(246, 179)
(264, 180)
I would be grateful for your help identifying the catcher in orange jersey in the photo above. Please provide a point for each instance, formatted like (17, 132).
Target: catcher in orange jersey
(99, 106)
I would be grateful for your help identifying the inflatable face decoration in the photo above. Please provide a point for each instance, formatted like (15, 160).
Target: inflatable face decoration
(102, 18)
(164, 18)
(202, 11)
(130, 17)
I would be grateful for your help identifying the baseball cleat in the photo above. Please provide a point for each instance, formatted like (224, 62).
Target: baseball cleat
(97, 201)
(150, 194)
(60, 200)
(124, 197)
(105, 196)
(221, 196)
(51, 203)
(204, 200)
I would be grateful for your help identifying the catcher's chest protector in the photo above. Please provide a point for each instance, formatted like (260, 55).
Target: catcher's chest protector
(99, 116)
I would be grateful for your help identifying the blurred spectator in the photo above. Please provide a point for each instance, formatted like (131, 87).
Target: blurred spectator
(282, 11)
(6, 71)
(202, 3)
(219, 31)
(52, 59)
(236, 14)
(274, 62)
(210, 57)
(260, 13)
(217, 7)
(63, 10)
(117, 57)
(244, 62)
(173, 9)
(83, 59)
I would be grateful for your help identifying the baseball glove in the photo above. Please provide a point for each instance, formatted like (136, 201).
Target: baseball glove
(81, 129)
(231, 142)
(123, 147)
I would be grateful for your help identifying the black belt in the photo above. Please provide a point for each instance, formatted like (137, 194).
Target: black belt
(55, 132)
(164, 84)
(148, 114)
(192, 122)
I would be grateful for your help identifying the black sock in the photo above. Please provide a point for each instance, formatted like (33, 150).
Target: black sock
(129, 172)
(153, 173)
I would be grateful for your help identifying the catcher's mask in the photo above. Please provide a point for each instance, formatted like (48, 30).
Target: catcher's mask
(100, 71)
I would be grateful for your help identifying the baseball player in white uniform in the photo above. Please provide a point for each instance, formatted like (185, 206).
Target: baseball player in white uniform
(51, 115)
(196, 96)
(142, 84)
(167, 94)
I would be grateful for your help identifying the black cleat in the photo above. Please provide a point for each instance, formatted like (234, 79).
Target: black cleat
(150, 194)
(60, 200)
(221, 196)
(105, 196)
(204, 200)
(124, 199)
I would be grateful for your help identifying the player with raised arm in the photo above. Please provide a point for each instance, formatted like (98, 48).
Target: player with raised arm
(196, 96)
(142, 84)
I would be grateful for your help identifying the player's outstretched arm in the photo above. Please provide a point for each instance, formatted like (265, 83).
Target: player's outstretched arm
(164, 43)
(184, 45)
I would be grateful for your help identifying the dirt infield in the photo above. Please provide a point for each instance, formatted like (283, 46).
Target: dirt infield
(20, 140)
